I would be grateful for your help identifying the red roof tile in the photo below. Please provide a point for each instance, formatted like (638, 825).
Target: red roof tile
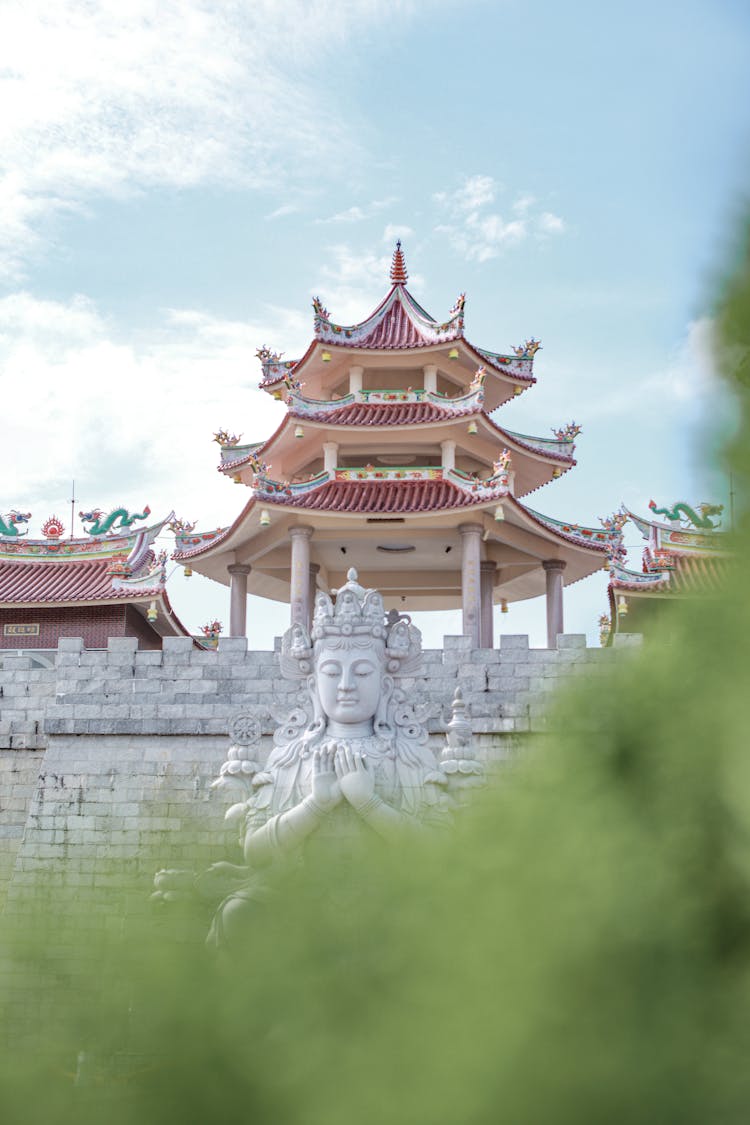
(72, 580)
(395, 330)
(391, 496)
(687, 575)
(387, 413)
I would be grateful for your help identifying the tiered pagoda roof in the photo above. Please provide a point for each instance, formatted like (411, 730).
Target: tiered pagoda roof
(386, 448)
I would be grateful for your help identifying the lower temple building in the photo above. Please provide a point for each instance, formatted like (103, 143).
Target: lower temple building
(110, 583)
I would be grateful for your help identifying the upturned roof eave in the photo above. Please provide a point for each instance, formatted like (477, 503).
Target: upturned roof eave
(515, 441)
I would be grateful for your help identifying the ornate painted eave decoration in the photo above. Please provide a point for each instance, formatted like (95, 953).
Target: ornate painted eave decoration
(133, 544)
(595, 537)
(680, 537)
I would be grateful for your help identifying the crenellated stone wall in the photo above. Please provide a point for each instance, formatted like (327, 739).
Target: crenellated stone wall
(113, 748)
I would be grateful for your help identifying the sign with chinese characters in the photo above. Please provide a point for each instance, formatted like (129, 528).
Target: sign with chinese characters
(28, 630)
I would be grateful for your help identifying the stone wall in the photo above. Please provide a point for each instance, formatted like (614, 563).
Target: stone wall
(112, 749)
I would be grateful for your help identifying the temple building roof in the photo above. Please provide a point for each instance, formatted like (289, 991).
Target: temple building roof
(399, 324)
(686, 555)
(116, 568)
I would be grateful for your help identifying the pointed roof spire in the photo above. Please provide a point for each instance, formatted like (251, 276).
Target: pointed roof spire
(399, 276)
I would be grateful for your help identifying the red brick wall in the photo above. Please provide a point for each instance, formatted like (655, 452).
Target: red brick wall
(94, 623)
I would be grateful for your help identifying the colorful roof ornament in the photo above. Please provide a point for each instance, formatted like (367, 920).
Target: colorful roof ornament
(53, 528)
(569, 432)
(117, 519)
(181, 526)
(399, 275)
(10, 521)
(681, 512)
(529, 349)
(224, 438)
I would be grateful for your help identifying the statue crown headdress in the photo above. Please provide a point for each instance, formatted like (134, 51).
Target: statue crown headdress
(360, 614)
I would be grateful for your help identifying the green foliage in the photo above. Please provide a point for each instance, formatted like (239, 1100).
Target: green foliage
(576, 951)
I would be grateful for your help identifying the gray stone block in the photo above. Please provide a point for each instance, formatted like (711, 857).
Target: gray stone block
(513, 641)
(70, 644)
(458, 642)
(171, 646)
(571, 640)
(122, 644)
(234, 646)
(627, 640)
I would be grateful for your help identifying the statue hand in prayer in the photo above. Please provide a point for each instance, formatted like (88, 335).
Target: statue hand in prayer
(355, 780)
(326, 789)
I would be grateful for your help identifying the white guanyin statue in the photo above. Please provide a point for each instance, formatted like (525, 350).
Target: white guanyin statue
(354, 759)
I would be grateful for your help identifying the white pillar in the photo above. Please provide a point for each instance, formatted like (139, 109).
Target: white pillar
(300, 574)
(238, 599)
(430, 377)
(355, 379)
(487, 572)
(471, 546)
(448, 450)
(330, 455)
(554, 570)
(314, 568)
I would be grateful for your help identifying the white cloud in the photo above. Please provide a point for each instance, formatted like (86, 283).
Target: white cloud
(357, 214)
(281, 212)
(350, 215)
(131, 424)
(480, 234)
(548, 223)
(395, 231)
(105, 99)
(522, 204)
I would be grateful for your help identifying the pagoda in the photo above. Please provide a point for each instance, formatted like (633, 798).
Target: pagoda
(108, 583)
(388, 459)
(686, 556)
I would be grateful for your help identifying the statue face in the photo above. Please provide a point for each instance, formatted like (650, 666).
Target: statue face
(349, 683)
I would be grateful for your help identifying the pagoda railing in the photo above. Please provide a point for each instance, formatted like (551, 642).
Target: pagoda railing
(472, 399)
(500, 483)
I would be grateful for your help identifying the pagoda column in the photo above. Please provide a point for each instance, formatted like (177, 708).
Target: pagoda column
(330, 455)
(300, 575)
(554, 571)
(430, 377)
(487, 571)
(448, 455)
(355, 379)
(314, 568)
(471, 546)
(238, 573)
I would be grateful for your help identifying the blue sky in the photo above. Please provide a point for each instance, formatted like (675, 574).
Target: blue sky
(180, 178)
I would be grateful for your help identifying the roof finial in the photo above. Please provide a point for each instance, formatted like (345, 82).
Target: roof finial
(399, 276)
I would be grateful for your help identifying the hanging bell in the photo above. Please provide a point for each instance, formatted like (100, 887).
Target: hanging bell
(299, 431)
(499, 514)
(265, 518)
(326, 357)
(473, 428)
(622, 606)
(188, 572)
(453, 353)
(503, 606)
(152, 613)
